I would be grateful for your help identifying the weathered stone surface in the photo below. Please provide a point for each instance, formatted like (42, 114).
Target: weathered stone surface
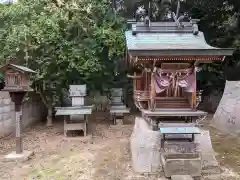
(204, 145)
(145, 145)
(181, 177)
(181, 164)
(180, 147)
(145, 148)
(227, 115)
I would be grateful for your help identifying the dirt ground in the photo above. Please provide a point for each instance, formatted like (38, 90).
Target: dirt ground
(104, 156)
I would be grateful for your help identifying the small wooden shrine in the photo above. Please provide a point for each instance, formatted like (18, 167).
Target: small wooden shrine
(165, 58)
(17, 78)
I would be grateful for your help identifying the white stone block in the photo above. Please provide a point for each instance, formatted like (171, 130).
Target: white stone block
(1, 109)
(5, 116)
(6, 101)
(77, 90)
(6, 108)
(78, 101)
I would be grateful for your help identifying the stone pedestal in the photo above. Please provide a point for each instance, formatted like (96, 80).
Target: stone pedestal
(24, 156)
(181, 177)
(181, 164)
(117, 108)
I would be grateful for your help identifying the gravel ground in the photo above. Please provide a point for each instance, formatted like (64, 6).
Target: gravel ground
(103, 156)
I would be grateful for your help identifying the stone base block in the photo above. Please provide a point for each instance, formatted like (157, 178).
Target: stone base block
(181, 177)
(181, 164)
(119, 121)
(24, 156)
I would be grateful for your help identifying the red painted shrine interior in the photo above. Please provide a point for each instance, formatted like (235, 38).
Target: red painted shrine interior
(166, 82)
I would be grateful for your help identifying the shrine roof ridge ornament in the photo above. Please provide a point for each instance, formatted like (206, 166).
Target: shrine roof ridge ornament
(164, 27)
(169, 39)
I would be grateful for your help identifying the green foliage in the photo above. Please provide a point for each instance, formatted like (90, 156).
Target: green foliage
(220, 22)
(76, 42)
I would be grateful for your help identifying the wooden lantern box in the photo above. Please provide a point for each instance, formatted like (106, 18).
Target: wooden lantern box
(16, 78)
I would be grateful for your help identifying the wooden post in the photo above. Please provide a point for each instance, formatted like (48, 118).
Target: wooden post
(145, 81)
(153, 91)
(195, 90)
(17, 98)
(134, 82)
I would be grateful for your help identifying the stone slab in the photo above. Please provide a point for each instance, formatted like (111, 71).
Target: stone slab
(65, 111)
(78, 101)
(119, 122)
(172, 112)
(181, 164)
(181, 177)
(179, 130)
(13, 156)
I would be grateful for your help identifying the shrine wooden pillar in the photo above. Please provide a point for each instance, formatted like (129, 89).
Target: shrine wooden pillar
(152, 92)
(134, 82)
(194, 94)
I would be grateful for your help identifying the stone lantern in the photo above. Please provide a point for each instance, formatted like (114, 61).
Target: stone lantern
(17, 83)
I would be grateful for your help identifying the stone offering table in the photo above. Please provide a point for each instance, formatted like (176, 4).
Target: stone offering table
(117, 111)
(180, 131)
(173, 112)
(76, 117)
(80, 124)
(117, 108)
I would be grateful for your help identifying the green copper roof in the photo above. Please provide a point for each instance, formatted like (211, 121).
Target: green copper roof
(149, 43)
(152, 41)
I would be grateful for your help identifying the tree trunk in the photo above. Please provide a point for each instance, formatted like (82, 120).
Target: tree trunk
(227, 115)
(49, 106)
(49, 116)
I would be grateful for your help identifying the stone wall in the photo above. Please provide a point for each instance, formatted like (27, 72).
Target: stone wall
(33, 110)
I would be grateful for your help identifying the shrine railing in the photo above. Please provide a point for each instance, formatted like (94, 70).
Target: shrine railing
(142, 99)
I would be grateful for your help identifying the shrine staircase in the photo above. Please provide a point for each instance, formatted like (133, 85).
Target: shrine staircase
(176, 102)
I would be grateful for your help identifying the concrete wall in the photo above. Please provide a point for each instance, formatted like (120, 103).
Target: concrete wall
(33, 110)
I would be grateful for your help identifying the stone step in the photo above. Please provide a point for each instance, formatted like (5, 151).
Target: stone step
(211, 171)
(181, 177)
(181, 164)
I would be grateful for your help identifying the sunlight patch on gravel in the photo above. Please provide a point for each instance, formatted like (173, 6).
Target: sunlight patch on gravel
(76, 166)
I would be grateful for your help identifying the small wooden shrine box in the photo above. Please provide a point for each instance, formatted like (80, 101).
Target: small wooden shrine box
(17, 78)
